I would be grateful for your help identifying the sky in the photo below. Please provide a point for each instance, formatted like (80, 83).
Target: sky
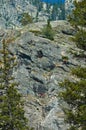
(53, 1)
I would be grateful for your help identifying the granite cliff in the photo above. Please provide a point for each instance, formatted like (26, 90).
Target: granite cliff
(11, 11)
(39, 70)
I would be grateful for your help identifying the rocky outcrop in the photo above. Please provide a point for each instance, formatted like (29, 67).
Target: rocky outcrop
(11, 11)
(39, 70)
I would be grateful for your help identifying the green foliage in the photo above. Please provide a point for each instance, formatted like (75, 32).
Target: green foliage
(74, 90)
(80, 72)
(11, 106)
(74, 94)
(48, 32)
(65, 58)
(78, 17)
(78, 20)
(80, 39)
(26, 19)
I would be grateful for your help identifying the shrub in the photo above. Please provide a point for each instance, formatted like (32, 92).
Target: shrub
(26, 19)
(48, 32)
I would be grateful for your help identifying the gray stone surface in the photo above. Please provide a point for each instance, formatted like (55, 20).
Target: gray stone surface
(11, 10)
(39, 75)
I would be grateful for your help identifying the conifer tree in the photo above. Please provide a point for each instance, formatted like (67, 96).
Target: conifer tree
(78, 20)
(78, 16)
(74, 90)
(74, 94)
(11, 106)
(47, 31)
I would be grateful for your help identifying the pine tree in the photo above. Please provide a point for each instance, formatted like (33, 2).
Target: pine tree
(74, 94)
(74, 90)
(11, 106)
(47, 31)
(78, 16)
(78, 20)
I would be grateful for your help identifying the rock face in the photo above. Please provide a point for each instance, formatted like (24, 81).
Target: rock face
(39, 70)
(11, 11)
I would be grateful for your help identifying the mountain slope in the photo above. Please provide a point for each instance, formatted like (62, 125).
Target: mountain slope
(11, 11)
(39, 70)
